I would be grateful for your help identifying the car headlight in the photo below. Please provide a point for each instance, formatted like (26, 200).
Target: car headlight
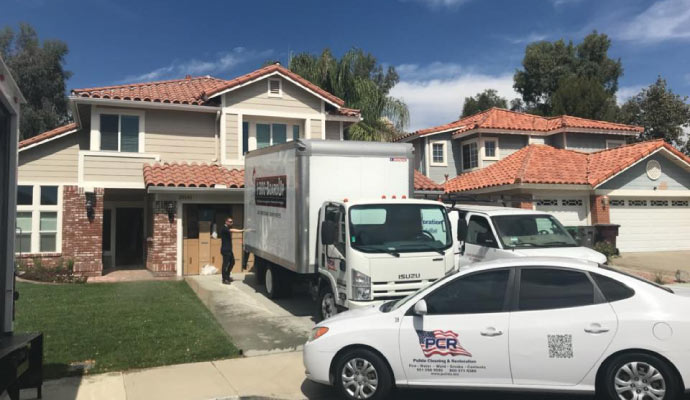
(361, 286)
(317, 332)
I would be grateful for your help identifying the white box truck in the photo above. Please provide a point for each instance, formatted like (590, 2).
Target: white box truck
(339, 214)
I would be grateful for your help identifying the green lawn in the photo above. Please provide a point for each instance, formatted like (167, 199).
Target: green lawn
(120, 325)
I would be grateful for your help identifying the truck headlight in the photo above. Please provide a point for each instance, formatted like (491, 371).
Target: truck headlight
(361, 286)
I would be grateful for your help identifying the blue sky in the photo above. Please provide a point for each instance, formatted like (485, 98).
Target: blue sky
(444, 50)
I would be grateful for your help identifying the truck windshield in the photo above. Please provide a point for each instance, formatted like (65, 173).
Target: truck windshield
(531, 231)
(399, 228)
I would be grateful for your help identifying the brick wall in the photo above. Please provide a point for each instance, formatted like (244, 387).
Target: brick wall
(161, 248)
(599, 206)
(524, 202)
(82, 237)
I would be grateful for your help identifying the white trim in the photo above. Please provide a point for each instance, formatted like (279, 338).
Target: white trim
(537, 133)
(526, 186)
(642, 193)
(490, 139)
(426, 159)
(223, 131)
(342, 132)
(240, 138)
(280, 87)
(114, 185)
(271, 113)
(119, 155)
(612, 141)
(143, 104)
(50, 139)
(270, 75)
(307, 128)
(323, 120)
(433, 163)
(179, 245)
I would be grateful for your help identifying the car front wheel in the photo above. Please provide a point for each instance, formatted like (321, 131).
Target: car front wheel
(362, 375)
(639, 376)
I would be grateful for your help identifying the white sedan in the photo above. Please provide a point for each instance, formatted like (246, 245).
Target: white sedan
(528, 324)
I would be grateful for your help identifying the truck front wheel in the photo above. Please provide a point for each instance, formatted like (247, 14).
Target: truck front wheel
(272, 282)
(327, 304)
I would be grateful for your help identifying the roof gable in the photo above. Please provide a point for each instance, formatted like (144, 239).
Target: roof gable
(48, 135)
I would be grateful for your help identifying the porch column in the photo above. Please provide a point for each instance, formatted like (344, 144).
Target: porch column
(161, 248)
(599, 206)
(82, 229)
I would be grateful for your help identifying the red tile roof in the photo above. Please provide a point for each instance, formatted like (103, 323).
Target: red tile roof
(538, 163)
(177, 91)
(192, 175)
(424, 183)
(269, 69)
(502, 119)
(48, 134)
(348, 112)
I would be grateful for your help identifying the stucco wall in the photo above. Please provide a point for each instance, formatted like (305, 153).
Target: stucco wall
(672, 177)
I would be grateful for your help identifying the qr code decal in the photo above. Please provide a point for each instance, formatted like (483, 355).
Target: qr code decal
(560, 346)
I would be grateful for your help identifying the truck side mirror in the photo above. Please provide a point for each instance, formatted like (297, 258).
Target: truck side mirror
(328, 232)
(420, 308)
(462, 230)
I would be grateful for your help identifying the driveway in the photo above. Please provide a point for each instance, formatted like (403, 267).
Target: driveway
(256, 324)
(653, 262)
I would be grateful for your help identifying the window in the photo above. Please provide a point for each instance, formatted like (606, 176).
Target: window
(120, 133)
(610, 144)
(545, 289)
(531, 232)
(611, 288)
(479, 232)
(25, 195)
(245, 137)
(275, 88)
(491, 149)
(438, 153)
(38, 216)
(469, 156)
(479, 293)
(295, 132)
(270, 134)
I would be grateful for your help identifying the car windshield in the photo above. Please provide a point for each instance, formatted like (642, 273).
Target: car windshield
(530, 231)
(399, 228)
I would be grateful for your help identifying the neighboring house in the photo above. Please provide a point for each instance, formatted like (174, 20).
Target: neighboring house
(128, 183)
(579, 170)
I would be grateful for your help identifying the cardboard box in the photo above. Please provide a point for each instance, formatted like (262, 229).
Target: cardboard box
(190, 253)
(204, 243)
(216, 257)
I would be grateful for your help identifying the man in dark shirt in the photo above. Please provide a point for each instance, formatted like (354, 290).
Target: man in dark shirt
(226, 232)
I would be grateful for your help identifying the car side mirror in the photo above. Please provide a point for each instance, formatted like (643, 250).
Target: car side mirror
(328, 232)
(462, 230)
(420, 308)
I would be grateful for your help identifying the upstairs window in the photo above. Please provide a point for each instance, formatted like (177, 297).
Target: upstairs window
(120, 133)
(438, 153)
(270, 134)
(611, 144)
(275, 88)
(491, 149)
(470, 157)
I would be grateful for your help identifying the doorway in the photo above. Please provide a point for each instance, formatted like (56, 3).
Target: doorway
(129, 237)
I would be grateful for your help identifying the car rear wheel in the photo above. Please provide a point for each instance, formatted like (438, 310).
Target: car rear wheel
(362, 375)
(639, 376)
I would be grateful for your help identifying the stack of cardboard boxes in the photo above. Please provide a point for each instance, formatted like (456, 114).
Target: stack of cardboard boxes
(206, 251)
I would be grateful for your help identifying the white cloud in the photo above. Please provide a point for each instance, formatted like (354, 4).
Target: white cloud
(626, 92)
(437, 4)
(223, 62)
(529, 38)
(559, 3)
(437, 97)
(663, 20)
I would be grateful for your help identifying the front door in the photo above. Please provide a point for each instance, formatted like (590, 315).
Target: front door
(129, 237)
(463, 340)
(561, 324)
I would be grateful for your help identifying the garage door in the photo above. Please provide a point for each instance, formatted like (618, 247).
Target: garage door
(570, 211)
(651, 224)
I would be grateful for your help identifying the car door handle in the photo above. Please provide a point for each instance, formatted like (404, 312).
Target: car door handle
(491, 332)
(596, 329)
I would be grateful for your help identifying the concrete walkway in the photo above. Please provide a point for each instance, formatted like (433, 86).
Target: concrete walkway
(278, 376)
(666, 263)
(256, 324)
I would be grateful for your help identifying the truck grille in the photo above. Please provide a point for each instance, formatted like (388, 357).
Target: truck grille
(397, 289)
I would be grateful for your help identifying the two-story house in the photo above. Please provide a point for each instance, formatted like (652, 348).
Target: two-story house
(144, 165)
(582, 171)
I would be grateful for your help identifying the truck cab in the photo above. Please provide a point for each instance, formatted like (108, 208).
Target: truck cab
(373, 251)
(492, 232)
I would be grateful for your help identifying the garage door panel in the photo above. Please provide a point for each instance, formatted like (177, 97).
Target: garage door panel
(569, 210)
(663, 226)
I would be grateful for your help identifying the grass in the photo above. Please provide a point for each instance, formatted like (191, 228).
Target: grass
(120, 326)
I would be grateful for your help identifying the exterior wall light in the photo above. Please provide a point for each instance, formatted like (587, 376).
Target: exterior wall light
(604, 202)
(90, 203)
(171, 211)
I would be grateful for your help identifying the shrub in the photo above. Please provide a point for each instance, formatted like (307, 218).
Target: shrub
(606, 248)
(659, 278)
(62, 272)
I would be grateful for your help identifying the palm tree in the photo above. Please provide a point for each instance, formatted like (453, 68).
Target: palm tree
(363, 84)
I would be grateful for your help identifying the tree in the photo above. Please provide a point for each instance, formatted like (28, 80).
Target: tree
(40, 75)
(358, 79)
(584, 97)
(662, 113)
(547, 65)
(483, 101)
